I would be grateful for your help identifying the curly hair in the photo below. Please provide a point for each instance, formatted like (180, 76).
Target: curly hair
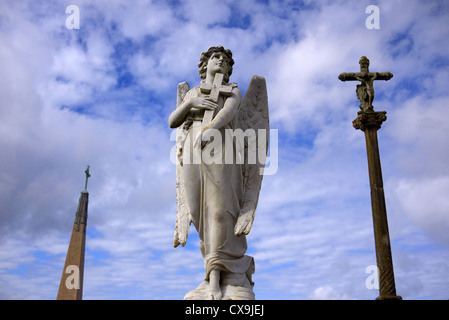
(202, 65)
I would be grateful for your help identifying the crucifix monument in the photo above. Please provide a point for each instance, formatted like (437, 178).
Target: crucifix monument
(370, 121)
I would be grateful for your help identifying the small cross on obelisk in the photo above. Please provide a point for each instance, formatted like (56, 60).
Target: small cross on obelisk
(87, 177)
(214, 91)
(370, 121)
(71, 285)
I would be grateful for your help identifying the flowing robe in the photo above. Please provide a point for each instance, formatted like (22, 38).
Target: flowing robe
(214, 195)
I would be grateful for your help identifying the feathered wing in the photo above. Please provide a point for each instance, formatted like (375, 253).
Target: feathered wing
(183, 219)
(253, 114)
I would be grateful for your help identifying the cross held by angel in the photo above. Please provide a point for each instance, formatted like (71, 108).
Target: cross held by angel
(219, 198)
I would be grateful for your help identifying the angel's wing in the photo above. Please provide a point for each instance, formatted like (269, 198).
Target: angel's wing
(182, 216)
(253, 114)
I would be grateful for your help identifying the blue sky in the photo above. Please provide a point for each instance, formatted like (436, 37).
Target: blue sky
(101, 95)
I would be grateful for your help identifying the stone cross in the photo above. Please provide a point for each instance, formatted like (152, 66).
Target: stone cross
(214, 92)
(365, 91)
(370, 121)
(87, 177)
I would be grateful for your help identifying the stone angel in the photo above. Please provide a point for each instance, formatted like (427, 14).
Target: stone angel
(218, 178)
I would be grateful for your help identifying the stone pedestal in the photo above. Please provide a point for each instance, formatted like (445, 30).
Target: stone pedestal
(230, 292)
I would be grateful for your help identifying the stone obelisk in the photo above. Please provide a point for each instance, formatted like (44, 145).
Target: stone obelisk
(71, 285)
(369, 121)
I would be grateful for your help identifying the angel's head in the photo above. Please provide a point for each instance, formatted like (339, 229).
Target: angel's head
(216, 53)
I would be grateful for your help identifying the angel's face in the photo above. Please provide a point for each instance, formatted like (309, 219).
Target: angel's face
(218, 62)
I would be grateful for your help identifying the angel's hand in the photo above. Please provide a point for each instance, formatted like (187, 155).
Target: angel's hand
(202, 103)
(244, 223)
(179, 240)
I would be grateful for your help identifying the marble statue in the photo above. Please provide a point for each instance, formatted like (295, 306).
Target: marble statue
(219, 173)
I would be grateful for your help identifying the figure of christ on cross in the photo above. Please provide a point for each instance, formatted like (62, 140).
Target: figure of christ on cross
(365, 90)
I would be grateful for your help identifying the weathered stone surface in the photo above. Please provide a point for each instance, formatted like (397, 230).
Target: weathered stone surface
(71, 285)
(369, 119)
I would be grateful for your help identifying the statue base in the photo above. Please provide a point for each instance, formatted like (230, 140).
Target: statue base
(230, 292)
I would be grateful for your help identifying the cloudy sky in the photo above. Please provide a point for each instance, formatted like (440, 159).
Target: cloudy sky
(101, 95)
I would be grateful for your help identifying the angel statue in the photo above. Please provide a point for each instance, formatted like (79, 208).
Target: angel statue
(217, 180)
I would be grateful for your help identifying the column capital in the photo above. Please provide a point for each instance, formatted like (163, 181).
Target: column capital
(369, 119)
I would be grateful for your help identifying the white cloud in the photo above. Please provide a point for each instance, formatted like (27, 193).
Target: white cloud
(205, 12)
(425, 202)
(326, 293)
(312, 236)
(137, 20)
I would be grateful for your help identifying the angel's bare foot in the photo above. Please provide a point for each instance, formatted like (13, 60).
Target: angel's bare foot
(214, 283)
(215, 295)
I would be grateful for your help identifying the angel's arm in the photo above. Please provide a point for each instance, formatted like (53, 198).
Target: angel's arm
(178, 116)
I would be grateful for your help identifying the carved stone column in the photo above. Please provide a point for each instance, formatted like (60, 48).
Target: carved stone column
(370, 122)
